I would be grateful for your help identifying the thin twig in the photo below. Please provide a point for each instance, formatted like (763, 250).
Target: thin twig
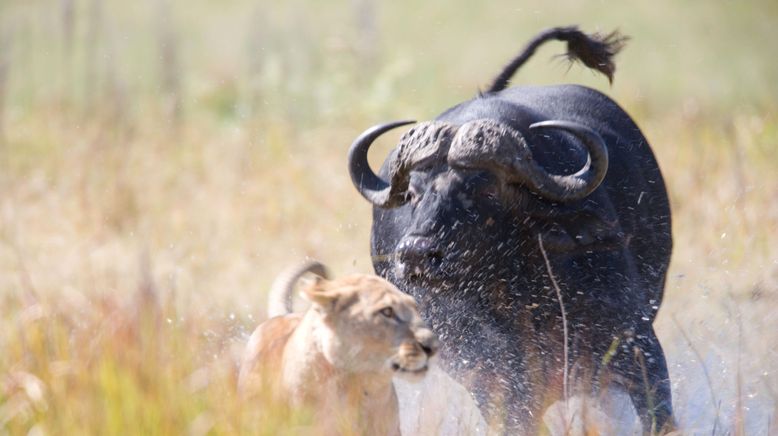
(647, 386)
(564, 317)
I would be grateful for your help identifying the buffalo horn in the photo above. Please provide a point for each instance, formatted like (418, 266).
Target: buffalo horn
(372, 187)
(567, 187)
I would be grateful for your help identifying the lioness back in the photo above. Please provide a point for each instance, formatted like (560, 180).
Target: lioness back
(265, 348)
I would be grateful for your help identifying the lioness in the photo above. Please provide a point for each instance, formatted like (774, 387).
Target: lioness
(338, 358)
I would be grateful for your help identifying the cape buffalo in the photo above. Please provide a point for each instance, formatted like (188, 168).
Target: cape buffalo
(532, 225)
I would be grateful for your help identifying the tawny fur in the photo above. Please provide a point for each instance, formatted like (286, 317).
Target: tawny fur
(339, 357)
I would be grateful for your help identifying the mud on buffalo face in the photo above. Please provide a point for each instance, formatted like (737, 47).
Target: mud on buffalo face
(455, 182)
(452, 221)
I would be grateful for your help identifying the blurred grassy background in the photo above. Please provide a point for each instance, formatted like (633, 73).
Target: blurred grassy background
(161, 161)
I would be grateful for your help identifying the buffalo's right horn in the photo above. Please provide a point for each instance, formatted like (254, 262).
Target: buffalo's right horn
(372, 187)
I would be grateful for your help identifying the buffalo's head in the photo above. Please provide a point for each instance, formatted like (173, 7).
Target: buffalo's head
(452, 199)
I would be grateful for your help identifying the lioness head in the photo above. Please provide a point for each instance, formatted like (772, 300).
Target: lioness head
(369, 325)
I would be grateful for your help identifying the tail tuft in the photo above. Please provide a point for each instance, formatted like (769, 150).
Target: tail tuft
(596, 51)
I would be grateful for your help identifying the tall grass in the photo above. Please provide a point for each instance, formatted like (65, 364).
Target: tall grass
(160, 162)
(125, 366)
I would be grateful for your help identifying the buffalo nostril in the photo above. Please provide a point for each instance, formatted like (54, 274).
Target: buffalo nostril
(418, 249)
(418, 257)
(435, 256)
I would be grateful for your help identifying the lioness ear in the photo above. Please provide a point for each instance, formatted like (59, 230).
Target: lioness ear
(317, 292)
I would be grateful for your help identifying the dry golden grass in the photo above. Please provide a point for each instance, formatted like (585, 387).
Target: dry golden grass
(137, 240)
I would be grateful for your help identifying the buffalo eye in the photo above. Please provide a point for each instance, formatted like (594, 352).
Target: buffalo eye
(387, 312)
(491, 186)
(484, 185)
(412, 195)
(489, 190)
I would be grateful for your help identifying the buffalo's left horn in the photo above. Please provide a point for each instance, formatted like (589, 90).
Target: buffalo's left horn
(372, 187)
(574, 186)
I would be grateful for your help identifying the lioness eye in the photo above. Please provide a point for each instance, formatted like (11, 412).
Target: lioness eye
(387, 312)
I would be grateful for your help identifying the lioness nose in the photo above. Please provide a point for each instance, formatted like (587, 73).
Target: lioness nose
(428, 341)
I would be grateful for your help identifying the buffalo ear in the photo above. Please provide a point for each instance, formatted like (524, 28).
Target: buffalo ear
(318, 293)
